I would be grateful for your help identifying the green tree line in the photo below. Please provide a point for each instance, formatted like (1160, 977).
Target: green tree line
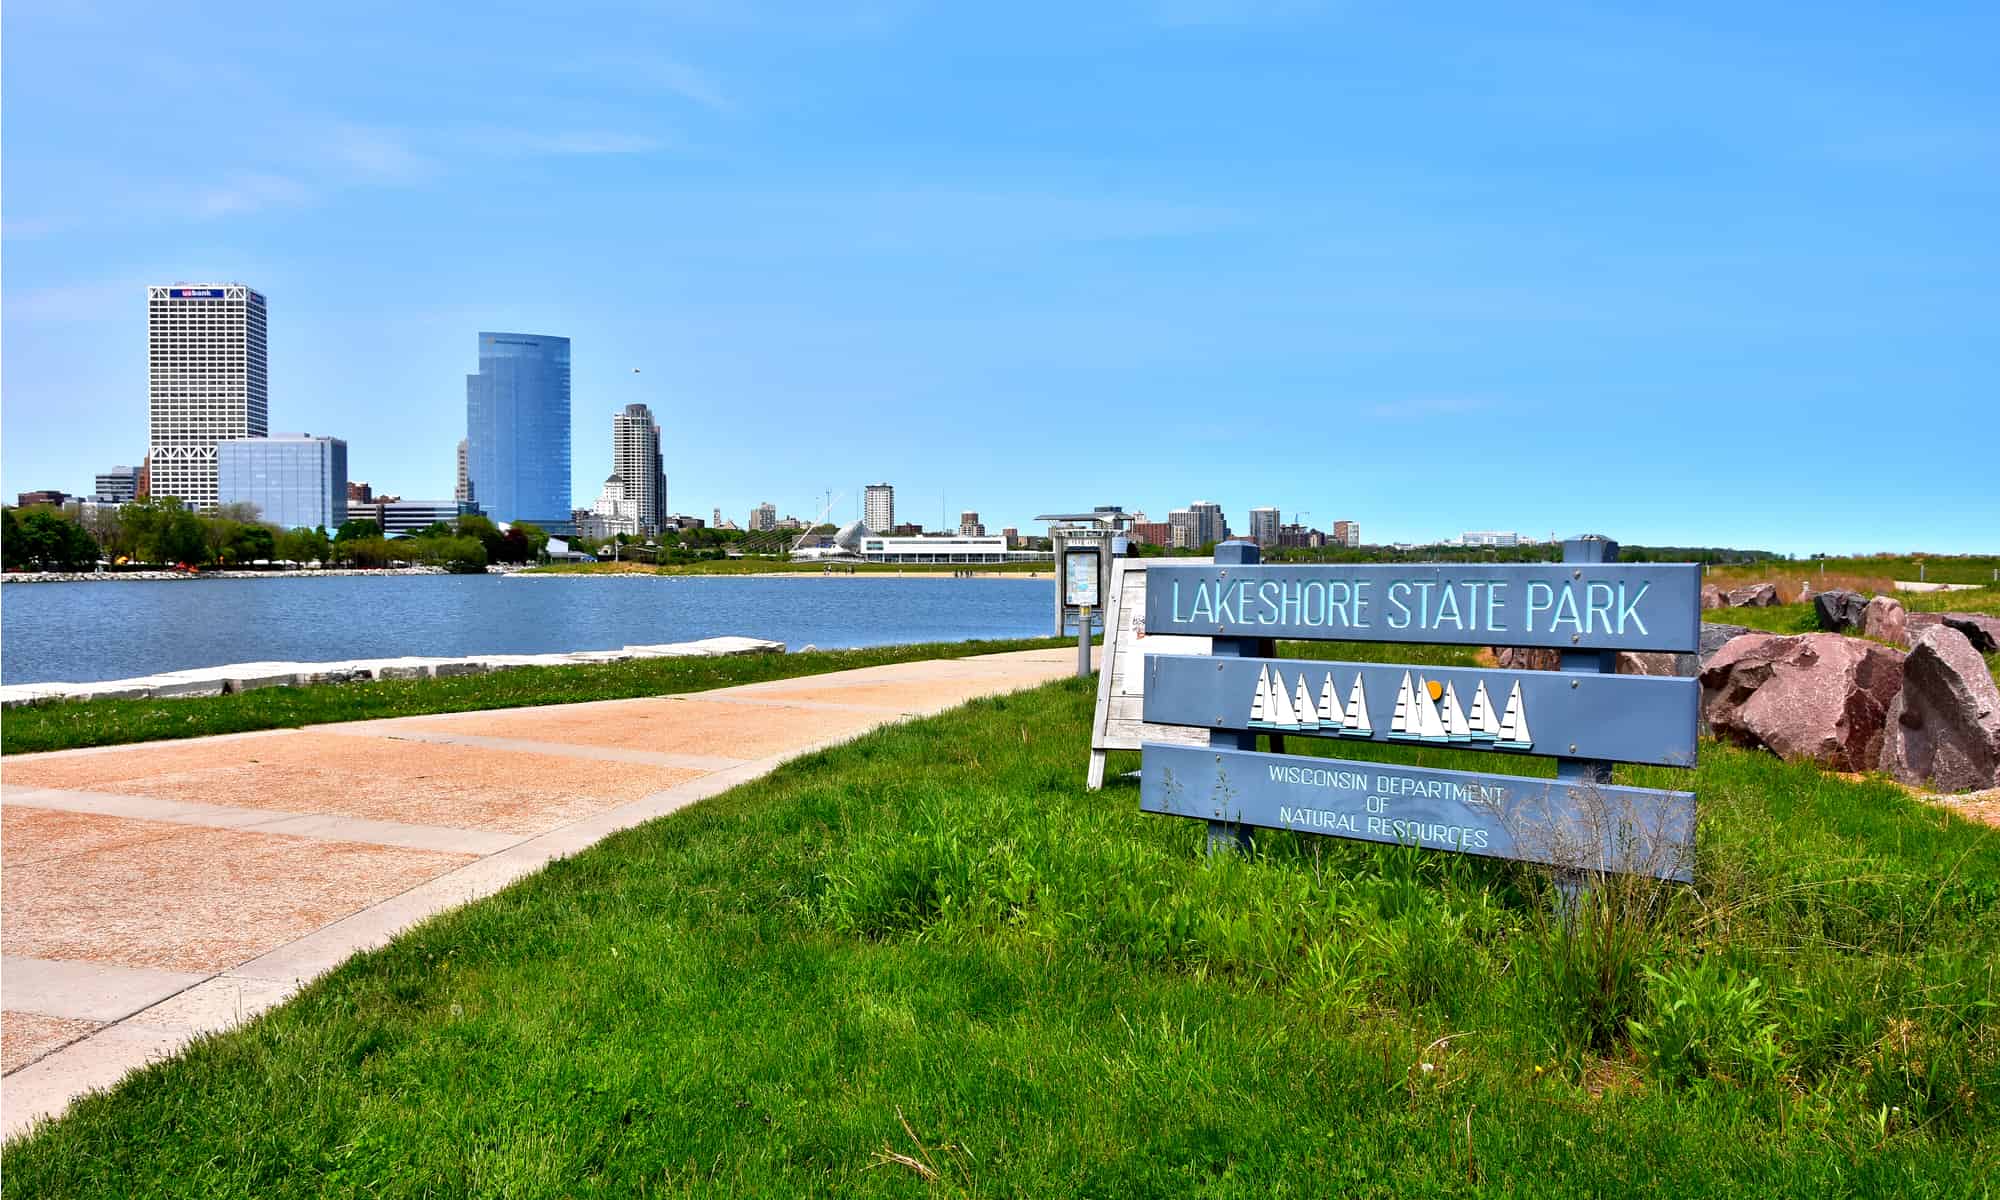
(166, 533)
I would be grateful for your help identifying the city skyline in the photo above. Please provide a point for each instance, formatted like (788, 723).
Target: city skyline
(1662, 302)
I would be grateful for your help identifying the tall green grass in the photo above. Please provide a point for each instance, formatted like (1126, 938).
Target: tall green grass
(930, 962)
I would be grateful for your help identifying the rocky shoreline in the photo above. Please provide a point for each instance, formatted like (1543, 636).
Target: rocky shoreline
(173, 576)
(244, 677)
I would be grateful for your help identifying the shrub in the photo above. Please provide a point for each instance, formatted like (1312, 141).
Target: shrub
(1707, 1021)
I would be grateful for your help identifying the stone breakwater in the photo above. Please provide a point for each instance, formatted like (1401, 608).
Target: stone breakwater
(169, 576)
(245, 677)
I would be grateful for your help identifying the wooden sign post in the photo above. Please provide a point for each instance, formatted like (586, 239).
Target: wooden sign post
(1119, 722)
(1584, 715)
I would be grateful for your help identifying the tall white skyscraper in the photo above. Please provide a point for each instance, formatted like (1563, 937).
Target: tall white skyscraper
(635, 456)
(208, 382)
(878, 507)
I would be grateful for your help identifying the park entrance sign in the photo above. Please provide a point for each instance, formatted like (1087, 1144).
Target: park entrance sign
(1584, 715)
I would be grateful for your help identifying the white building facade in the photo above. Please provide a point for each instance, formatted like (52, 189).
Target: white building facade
(635, 456)
(208, 382)
(878, 507)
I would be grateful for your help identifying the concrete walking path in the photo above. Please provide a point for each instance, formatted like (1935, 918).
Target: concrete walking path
(156, 892)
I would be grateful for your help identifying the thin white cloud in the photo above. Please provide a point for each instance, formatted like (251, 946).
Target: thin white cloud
(1186, 13)
(505, 141)
(1420, 408)
(33, 227)
(589, 142)
(655, 73)
(75, 301)
(243, 192)
(374, 154)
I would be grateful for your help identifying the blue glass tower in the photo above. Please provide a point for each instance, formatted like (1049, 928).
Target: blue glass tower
(517, 429)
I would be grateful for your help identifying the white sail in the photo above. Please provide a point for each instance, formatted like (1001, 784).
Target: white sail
(1283, 716)
(1455, 726)
(1401, 723)
(1303, 706)
(1329, 704)
(1484, 721)
(1431, 727)
(1260, 711)
(1356, 719)
(1514, 726)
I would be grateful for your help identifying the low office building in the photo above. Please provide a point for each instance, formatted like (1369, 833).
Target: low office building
(119, 485)
(954, 548)
(401, 518)
(294, 480)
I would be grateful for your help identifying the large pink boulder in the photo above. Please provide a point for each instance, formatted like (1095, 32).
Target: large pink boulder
(1817, 696)
(1943, 728)
(1755, 595)
(1885, 621)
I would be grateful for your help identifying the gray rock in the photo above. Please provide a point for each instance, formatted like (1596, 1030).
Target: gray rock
(1712, 597)
(1839, 610)
(447, 670)
(1943, 728)
(250, 683)
(1714, 636)
(411, 671)
(1817, 696)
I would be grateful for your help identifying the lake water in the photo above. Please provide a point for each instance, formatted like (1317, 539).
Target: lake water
(88, 631)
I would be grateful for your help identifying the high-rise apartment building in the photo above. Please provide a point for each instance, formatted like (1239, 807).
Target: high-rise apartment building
(463, 491)
(970, 526)
(764, 518)
(119, 485)
(517, 460)
(1346, 533)
(1206, 523)
(1264, 524)
(295, 480)
(878, 507)
(635, 456)
(1180, 530)
(208, 382)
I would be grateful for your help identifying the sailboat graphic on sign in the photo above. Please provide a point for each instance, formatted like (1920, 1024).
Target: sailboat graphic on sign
(1304, 712)
(1355, 722)
(1455, 726)
(1260, 704)
(1483, 719)
(1329, 705)
(1279, 708)
(1416, 718)
(1514, 733)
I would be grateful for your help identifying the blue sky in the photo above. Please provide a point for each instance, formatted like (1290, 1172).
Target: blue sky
(1721, 274)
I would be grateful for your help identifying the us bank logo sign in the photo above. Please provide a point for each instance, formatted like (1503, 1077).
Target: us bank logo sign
(1584, 715)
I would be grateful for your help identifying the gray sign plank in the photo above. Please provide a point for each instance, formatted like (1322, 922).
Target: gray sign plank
(1594, 606)
(1620, 718)
(1588, 827)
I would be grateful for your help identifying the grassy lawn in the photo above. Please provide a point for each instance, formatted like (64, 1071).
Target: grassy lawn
(108, 722)
(931, 951)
